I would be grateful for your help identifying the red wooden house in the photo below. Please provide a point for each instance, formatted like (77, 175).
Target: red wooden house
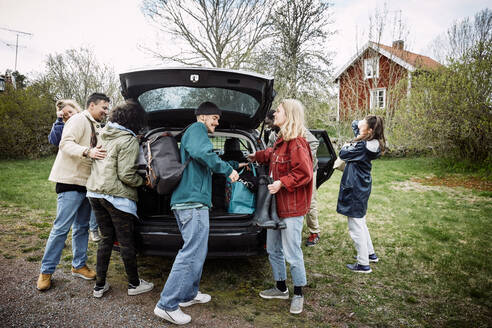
(366, 82)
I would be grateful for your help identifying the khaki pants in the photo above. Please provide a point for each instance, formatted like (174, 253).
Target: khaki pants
(312, 215)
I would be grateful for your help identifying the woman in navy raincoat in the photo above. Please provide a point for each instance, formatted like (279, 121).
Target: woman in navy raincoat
(355, 186)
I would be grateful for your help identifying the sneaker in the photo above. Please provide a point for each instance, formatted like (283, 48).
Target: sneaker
(275, 293)
(296, 304)
(177, 316)
(312, 240)
(199, 298)
(44, 281)
(140, 289)
(372, 258)
(359, 268)
(99, 291)
(94, 235)
(84, 273)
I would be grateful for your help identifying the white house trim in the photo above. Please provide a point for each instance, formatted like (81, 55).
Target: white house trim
(373, 101)
(338, 105)
(380, 50)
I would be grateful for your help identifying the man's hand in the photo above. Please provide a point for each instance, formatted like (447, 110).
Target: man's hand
(234, 176)
(275, 187)
(97, 153)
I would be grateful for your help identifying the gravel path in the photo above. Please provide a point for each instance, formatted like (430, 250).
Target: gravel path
(69, 303)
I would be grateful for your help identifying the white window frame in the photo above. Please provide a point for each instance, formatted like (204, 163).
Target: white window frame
(375, 103)
(371, 68)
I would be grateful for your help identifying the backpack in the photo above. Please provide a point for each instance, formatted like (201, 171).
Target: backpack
(160, 158)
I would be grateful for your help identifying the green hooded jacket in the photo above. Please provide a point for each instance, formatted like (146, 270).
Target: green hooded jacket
(196, 183)
(116, 174)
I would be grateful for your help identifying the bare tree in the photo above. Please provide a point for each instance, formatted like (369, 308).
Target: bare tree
(298, 55)
(464, 35)
(75, 74)
(219, 33)
(359, 85)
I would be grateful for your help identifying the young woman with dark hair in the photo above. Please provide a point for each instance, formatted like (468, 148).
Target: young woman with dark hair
(355, 186)
(112, 192)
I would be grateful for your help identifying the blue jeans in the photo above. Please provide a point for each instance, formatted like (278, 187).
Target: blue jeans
(184, 278)
(73, 210)
(92, 222)
(285, 245)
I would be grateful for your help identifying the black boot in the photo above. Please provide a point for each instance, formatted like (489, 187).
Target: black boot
(279, 224)
(263, 200)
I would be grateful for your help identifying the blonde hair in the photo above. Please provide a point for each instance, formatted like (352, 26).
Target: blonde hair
(294, 120)
(67, 102)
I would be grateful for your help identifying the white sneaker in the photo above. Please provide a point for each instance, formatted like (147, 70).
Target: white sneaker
(199, 298)
(140, 289)
(177, 316)
(99, 292)
(94, 235)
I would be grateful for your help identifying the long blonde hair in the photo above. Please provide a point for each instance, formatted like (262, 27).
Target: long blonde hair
(294, 123)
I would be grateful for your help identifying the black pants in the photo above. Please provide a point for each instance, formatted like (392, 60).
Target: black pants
(114, 225)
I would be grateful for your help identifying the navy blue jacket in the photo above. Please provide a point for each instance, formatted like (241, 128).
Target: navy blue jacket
(56, 132)
(355, 186)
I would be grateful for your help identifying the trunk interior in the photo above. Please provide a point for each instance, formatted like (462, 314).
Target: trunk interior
(155, 209)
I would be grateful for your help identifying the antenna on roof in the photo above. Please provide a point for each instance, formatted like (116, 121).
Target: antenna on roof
(16, 41)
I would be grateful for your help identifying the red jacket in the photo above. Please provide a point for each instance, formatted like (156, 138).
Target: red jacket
(290, 162)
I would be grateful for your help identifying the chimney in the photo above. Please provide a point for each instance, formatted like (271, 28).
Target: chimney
(398, 44)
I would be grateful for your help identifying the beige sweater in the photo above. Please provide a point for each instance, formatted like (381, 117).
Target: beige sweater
(70, 166)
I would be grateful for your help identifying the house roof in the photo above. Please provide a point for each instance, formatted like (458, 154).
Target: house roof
(409, 60)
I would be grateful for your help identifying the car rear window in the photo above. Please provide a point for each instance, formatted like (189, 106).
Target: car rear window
(173, 98)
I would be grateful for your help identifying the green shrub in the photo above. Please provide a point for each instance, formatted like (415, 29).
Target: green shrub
(450, 109)
(26, 117)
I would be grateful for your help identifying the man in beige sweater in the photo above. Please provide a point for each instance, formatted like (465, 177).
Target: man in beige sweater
(78, 148)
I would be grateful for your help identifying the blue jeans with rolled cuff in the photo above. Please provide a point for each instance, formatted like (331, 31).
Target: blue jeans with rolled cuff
(73, 211)
(285, 245)
(184, 278)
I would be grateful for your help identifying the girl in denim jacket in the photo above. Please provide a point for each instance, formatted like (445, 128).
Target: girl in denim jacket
(355, 186)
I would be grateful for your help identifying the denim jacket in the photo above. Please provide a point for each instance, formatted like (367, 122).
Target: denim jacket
(356, 183)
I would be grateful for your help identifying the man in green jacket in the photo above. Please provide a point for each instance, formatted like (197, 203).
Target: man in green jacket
(191, 202)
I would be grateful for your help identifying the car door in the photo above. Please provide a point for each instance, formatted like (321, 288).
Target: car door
(326, 157)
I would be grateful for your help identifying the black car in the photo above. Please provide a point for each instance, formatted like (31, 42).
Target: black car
(170, 95)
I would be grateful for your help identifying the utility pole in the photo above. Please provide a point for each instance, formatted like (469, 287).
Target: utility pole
(16, 41)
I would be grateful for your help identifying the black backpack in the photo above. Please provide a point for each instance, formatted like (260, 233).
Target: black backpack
(160, 159)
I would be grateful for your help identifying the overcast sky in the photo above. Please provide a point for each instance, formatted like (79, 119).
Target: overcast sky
(115, 28)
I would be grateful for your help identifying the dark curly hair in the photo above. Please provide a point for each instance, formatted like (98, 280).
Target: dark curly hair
(130, 114)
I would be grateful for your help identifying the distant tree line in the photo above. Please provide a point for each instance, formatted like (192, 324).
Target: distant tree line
(27, 111)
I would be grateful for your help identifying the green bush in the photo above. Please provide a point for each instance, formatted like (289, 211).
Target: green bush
(26, 117)
(450, 110)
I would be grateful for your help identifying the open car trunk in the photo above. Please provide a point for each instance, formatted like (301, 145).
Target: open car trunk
(158, 232)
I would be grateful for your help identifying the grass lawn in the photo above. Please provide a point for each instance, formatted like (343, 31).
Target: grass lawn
(433, 242)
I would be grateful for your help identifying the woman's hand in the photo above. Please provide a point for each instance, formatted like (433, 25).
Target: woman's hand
(275, 187)
(241, 165)
(252, 157)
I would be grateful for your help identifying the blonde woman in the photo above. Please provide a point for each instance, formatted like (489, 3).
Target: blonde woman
(291, 167)
(65, 108)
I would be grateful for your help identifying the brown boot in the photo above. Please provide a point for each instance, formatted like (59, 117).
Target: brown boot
(84, 273)
(44, 281)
